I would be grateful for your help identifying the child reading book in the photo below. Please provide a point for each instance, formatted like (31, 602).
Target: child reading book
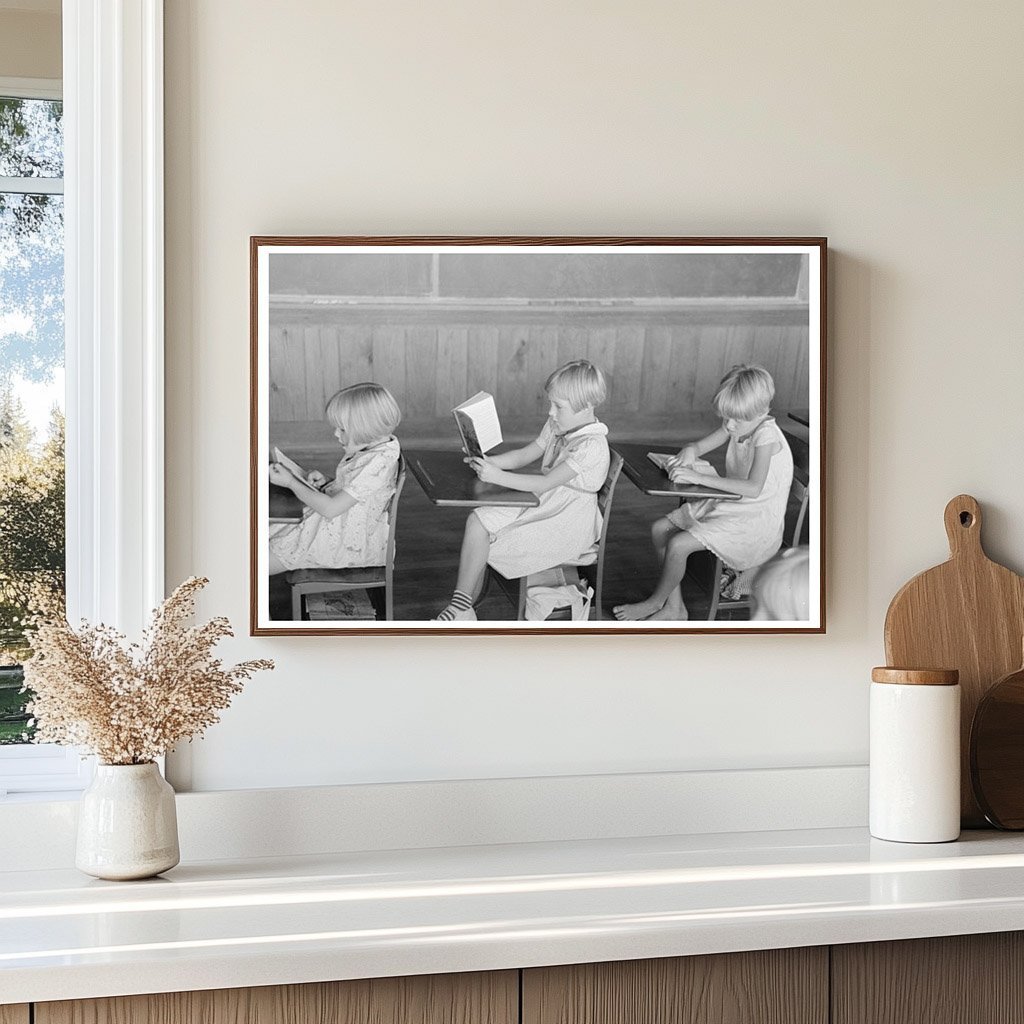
(345, 521)
(743, 533)
(564, 527)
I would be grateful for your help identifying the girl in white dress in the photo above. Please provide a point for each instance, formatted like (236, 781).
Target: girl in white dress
(345, 522)
(565, 526)
(743, 533)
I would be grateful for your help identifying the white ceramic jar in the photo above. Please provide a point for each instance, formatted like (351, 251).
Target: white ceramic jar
(915, 755)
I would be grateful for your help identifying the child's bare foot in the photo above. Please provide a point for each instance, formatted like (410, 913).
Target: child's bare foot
(640, 610)
(670, 614)
(673, 611)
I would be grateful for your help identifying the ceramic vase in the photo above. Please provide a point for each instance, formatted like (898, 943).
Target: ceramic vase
(127, 825)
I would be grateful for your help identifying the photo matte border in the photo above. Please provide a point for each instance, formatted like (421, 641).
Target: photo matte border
(257, 452)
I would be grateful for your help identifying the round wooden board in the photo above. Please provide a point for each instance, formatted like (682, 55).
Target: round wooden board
(997, 752)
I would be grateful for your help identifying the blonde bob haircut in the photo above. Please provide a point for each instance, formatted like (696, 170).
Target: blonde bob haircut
(580, 383)
(745, 393)
(366, 412)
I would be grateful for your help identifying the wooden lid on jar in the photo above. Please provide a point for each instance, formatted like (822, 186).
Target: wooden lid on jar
(916, 676)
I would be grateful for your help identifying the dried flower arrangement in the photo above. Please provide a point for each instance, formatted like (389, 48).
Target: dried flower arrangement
(129, 704)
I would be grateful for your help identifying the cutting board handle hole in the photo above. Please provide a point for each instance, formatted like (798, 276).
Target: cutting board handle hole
(966, 519)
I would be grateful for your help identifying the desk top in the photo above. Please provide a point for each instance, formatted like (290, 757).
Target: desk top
(226, 924)
(285, 507)
(448, 481)
(651, 480)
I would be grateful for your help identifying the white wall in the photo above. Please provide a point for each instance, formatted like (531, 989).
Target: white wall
(894, 129)
(30, 43)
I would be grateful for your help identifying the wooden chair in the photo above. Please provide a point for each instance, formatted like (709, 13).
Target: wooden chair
(515, 589)
(327, 581)
(798, 497)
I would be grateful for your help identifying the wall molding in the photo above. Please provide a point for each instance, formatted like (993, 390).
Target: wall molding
(244, 824)
(345, 312)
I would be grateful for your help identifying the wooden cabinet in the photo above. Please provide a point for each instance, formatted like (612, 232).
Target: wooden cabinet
(968, 979)
(491, 998)
(963, 979)
(777, 986)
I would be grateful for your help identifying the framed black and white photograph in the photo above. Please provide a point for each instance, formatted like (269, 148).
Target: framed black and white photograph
(495, 435)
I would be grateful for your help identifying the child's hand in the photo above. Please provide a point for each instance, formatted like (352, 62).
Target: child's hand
(685, 475)
(686, 456)
(280, 476)
(487, 472)
(316, 479)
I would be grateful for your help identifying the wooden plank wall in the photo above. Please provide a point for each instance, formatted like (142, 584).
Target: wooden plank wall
(661, 373)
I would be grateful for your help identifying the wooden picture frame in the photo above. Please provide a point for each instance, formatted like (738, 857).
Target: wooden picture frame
(434, 320)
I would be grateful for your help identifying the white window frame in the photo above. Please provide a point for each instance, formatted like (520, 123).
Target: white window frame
(114, 327)
(32, 89)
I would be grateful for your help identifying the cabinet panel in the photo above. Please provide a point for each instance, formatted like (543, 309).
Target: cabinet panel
(481, 998)
(14, 1014)
(962, 979)
(778, 986)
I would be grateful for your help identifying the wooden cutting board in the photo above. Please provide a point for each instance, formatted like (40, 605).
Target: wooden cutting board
(967, 614)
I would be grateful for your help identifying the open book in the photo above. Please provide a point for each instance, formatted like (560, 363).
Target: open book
(661, 459)
(477, 419)
(291, 465)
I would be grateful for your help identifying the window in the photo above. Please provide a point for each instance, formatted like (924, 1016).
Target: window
(31, 379)
(113, 334)
(32, 534)
(31, 406)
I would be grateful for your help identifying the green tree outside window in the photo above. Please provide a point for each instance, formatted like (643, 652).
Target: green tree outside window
(31, 353)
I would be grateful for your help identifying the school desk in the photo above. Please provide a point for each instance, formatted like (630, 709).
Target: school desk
(284, 506)
(654, 481)
(448, 481)
(801, 416)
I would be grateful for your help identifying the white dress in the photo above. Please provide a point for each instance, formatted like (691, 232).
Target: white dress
(746, 533)
(565, 527)
(357, 537)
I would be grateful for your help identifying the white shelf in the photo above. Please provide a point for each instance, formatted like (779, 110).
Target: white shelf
(225, 924)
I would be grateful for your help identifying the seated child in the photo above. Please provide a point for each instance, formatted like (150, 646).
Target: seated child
(345, 523)
(565, 526)
(743, 533)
